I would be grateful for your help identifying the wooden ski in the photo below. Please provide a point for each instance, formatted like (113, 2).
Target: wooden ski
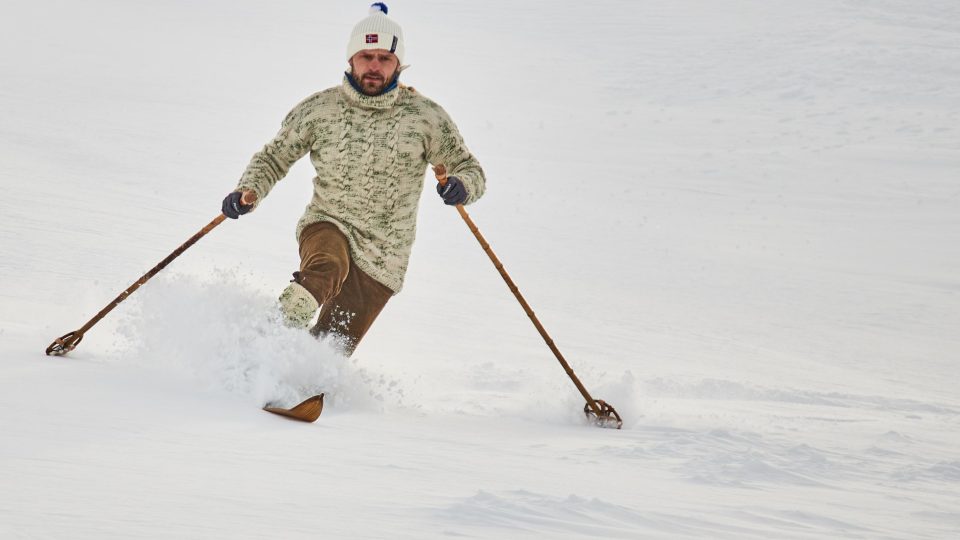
(307, 411)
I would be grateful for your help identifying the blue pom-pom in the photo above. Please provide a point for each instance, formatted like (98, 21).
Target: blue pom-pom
(378, 7)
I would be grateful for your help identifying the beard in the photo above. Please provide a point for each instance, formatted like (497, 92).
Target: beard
(373, 83)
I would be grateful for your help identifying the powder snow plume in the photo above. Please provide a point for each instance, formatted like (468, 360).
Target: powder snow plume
(226, 335)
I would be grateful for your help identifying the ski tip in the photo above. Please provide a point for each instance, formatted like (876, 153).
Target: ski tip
(307, 410)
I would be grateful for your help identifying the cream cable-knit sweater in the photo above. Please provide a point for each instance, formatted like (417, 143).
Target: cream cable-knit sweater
(371, 155)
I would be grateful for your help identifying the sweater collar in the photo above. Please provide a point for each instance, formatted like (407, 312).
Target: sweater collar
(383, 101)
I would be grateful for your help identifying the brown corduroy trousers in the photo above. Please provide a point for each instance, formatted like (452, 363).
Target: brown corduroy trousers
(349, 299)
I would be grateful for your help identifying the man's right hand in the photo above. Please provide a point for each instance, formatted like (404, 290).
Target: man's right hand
(238, 203)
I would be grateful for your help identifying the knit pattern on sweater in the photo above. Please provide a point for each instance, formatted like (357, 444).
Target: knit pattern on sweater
(370, 154)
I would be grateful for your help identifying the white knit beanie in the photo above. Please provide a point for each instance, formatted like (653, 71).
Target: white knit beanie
(377, 31)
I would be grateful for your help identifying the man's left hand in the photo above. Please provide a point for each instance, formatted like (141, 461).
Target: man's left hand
(454, 192)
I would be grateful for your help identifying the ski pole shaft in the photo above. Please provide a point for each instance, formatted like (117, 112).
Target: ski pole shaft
(68, 342)
(441, 175)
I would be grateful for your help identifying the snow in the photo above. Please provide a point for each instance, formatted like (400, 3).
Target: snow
(739, 221)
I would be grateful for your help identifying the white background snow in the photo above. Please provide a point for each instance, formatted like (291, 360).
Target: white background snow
(739, 220)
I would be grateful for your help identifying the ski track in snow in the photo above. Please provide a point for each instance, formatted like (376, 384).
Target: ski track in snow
(738, 221)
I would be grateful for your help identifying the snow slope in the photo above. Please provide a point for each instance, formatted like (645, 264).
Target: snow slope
(739, 221)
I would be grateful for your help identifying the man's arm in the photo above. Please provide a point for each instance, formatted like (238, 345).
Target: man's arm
(271, 164)
(446, 147)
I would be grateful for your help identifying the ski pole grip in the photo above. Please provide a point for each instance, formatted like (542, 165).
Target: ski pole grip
(440, 171)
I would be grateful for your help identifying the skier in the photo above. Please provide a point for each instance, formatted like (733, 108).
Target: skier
(370, 140)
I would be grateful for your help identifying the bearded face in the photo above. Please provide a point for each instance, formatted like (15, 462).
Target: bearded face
(374, 69)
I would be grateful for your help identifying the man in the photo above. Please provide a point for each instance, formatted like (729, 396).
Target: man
(370, 140)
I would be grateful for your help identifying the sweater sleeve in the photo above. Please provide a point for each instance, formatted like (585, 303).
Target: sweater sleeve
(271, 164)
(446, 147)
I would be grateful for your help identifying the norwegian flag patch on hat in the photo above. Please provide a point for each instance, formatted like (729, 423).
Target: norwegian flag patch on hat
(373, 38)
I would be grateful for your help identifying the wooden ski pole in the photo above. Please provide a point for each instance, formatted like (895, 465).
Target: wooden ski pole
(603, 412)
(68, 342)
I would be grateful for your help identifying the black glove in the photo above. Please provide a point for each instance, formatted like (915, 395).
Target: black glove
(232, 207)
(454, 192)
